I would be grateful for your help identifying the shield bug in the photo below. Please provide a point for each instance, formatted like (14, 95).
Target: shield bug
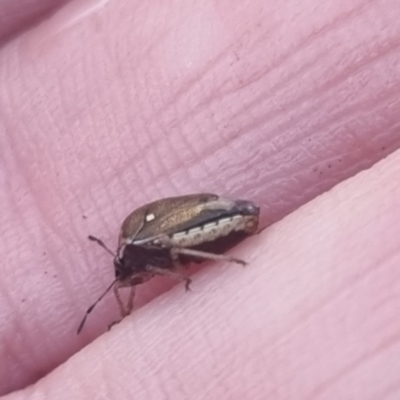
(159, 237)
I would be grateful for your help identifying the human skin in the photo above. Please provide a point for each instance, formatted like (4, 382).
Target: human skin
(106, 108)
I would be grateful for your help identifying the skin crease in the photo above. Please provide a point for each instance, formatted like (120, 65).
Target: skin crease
(103, 111)
(24, 14)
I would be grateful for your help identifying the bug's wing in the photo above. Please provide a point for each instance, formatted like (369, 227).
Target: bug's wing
(176, 214)
(161, 216)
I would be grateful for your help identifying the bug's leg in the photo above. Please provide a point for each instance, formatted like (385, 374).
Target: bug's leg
(129, 306)
(119, 301)
(204, 255)
(171, 274)
(124, 311)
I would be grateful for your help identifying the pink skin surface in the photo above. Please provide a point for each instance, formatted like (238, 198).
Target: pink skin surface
(106, 106)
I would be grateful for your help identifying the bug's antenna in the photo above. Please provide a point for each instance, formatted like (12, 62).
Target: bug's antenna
(90, 309)
(101, 243)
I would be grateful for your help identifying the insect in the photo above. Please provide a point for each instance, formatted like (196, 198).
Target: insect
(160, 237)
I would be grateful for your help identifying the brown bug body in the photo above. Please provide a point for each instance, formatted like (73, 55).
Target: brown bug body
(158, 237)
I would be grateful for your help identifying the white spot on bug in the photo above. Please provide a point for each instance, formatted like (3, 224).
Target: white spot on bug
(150, 217)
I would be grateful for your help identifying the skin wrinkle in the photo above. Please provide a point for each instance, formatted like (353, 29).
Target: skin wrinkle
(7, 348)
(392, 389)
(290, 54)
(307, 95)
(257, 122)
(353, 366)
(17, 18)
(306, 316)
(12, 350)
(287, 56)
(15, 355)
(22, 172)
(149, 367)
(280, 339)
(190, 83)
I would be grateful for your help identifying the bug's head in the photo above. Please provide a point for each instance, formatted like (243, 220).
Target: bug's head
(129, 259)
(133, 259)
(124, 269)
